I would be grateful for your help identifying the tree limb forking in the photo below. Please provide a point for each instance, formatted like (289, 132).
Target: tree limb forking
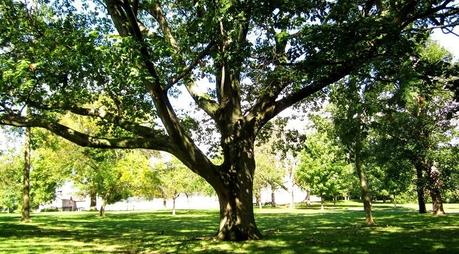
(161, 143)
(201, 99)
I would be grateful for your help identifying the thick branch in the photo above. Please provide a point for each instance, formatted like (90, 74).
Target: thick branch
(132, 127)
(271, 109)
(161, 143)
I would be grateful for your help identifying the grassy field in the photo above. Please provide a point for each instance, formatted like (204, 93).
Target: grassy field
(334, 230)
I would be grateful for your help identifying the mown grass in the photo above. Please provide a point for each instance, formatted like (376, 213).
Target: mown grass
(306, 230)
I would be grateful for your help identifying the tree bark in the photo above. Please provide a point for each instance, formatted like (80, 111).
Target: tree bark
(258, 199)
(173, 204)
(273, 196)
(420, 188)
(435, 190)
(26, 178)
(102, 208)
(365, 194)
(234, 188)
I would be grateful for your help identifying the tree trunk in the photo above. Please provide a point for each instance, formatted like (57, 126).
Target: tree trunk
(435, 190)
(258, 199)
(26, 179)
(237, 220)
(308, 198)
(420, 188)
(273, 196)
(173, 205)
(234, 187)
(291, 187)
(365, 194)
(93, 202)
(102, 208)
(321, 203)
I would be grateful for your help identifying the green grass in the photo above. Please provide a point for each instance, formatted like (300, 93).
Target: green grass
(308, 230)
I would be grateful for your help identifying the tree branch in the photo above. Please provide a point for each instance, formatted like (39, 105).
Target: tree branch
(202, 99)
(132, 127)
(161, 143)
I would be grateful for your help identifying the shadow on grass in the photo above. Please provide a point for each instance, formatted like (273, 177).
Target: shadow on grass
(298, 231)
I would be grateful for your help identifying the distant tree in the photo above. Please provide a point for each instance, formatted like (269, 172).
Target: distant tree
(176, 179)
(270, 173)
(417, 118)
(323, 167)
(11, 170)
(352, 114)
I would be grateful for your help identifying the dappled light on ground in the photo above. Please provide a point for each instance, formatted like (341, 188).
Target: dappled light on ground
(304, 230)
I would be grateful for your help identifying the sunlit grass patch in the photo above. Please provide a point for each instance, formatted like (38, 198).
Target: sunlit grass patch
(305, 230)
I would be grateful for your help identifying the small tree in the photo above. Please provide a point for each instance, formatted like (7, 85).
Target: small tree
(323, 168)
(175, 179)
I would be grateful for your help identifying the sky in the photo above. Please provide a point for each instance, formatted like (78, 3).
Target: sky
(449, 41)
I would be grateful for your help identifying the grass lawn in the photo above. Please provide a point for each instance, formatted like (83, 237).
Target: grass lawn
(309, 230)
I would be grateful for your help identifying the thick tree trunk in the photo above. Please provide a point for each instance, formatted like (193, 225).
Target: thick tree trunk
(26, 179)
(365, 194)
(234, 188)
(420, 188)
(237, 220)
(435, 190)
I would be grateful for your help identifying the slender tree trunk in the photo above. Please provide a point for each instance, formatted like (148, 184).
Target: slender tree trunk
(308, 198)
(291, 187)
(173, 204)
(435, 190)
(365, 194)
(321, 203)
(273, 196)
(258, 199)
(26, 178)
(102, 208)
(420, 188)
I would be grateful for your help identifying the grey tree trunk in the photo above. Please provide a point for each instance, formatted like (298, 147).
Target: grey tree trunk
(435, 190)
(25, 215)
(173, 204)
(102, 208)
(365, 194)
(273, 196)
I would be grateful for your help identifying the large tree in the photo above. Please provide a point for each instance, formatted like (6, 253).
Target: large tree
(260, 57)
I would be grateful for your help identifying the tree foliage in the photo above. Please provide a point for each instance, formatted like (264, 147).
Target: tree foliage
(323, 167)
(134, 56)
